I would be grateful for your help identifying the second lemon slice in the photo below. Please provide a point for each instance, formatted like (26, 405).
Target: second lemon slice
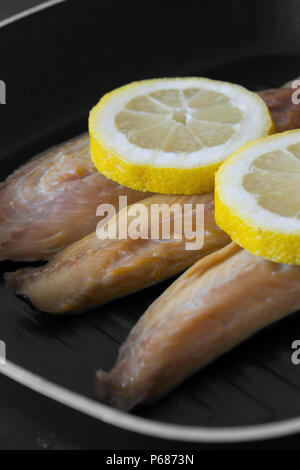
(258, 199)
(171, 135)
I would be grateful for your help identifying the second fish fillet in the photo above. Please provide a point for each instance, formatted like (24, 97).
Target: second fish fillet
(92, 272)
(215, 305)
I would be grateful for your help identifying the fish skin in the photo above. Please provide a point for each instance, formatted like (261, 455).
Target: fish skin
(92, 272)
(215, 305)
(51, 201)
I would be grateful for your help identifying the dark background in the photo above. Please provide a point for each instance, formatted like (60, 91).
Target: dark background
(27, 420)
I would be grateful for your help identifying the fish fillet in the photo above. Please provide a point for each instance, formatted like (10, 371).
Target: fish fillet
(215, 305)
(51, 202)
(92, 272)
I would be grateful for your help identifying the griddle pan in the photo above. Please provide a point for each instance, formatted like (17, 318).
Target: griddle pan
(56, 64)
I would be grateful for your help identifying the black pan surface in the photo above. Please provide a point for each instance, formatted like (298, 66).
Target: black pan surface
(56, 65)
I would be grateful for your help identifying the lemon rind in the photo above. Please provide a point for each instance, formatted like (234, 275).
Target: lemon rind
(153, 179)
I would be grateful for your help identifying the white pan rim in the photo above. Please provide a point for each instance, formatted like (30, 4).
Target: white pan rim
(29, 11)
(143, 426)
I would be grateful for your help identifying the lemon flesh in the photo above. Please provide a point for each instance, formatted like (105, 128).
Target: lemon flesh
(178, 120)
(171, 135)
(258, 200)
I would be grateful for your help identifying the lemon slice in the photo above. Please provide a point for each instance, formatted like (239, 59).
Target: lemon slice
(258, 199)
(171, 135)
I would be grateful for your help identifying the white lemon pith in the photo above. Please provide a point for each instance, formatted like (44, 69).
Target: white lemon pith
(171, 135)
(257, 198)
